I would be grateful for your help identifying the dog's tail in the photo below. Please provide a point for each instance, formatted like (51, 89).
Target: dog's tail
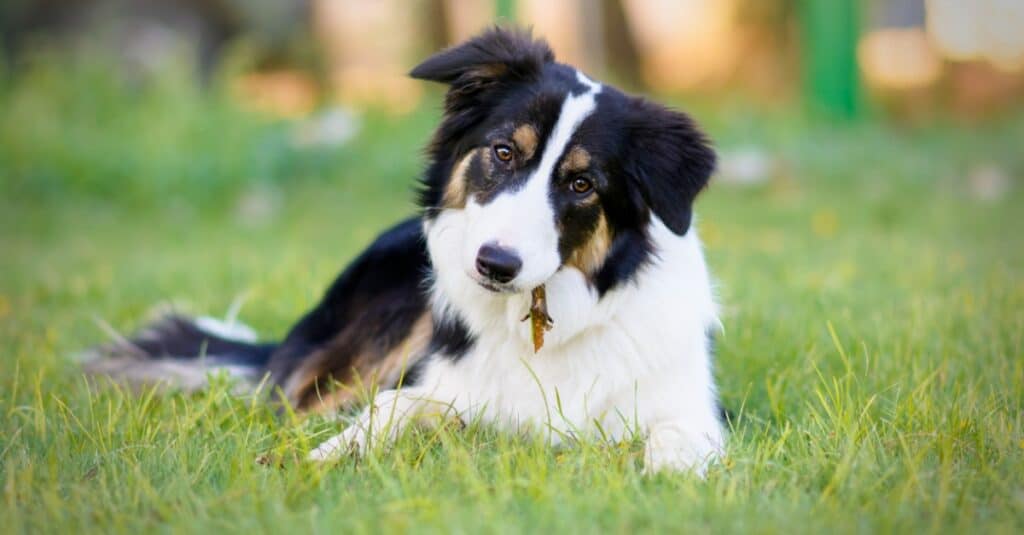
(182, 352)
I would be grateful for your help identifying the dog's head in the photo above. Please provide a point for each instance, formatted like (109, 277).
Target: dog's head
(552, 169)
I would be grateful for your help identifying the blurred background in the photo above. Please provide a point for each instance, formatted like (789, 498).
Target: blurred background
(142, 138)
(74, 73)
(906, 58)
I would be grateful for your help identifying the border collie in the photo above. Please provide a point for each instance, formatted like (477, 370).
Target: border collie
(538, 176)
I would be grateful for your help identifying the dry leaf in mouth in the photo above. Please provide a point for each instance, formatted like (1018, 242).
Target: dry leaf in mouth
(539, 319)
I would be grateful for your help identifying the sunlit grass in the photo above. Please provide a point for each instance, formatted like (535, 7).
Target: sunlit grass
(872, 348)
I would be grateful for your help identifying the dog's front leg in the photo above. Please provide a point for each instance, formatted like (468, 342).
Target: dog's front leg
(379, 424)
(681, 445)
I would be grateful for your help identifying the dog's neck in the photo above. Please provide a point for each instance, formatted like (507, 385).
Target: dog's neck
(575, 306)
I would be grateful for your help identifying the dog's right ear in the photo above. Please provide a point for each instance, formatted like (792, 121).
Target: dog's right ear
(495, 57)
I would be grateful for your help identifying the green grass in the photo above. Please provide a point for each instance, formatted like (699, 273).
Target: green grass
(873, 314)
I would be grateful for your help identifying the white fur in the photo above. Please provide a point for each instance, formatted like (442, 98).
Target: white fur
(229, 329)
(637, 358)
(523, 220)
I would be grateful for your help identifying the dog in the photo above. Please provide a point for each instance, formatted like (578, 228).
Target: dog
(538, 176)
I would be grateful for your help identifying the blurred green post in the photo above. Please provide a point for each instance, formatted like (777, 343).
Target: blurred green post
(505, 10)
(831, 80)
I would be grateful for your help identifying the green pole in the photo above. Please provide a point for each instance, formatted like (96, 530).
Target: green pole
(505, 10)
(831, 81)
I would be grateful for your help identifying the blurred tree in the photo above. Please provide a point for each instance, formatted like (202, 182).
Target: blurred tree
(438, 27)
(505, 10)
(622, 57)
(830, 33)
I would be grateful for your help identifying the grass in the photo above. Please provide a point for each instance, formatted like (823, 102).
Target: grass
(873, 313)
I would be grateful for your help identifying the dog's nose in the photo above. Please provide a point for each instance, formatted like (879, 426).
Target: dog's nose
(497, 263)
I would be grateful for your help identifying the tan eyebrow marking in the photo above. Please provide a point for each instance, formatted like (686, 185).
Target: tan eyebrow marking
(577, 160)
(525, 138)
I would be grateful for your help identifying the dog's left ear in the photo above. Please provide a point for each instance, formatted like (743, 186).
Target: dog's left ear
(495, 57)
(669, 161)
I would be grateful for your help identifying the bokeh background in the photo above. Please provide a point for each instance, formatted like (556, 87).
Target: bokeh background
(103, 97)
(865, 228)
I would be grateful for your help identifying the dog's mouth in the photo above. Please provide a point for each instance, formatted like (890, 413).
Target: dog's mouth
(512, 287)
(497, 288)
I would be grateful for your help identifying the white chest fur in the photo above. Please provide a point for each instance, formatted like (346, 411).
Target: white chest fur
(603, 357)
(637, 358)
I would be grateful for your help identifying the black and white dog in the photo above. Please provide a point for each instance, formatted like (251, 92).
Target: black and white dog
(538, 175)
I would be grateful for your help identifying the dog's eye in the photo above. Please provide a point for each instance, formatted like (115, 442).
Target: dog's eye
(581, 185)
(503, 152)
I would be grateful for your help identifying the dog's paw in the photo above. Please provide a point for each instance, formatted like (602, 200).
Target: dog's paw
(379, 424)
(352, 441)
(670, 449)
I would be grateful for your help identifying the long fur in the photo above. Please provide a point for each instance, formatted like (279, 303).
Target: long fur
(176, 351)
(563, 182)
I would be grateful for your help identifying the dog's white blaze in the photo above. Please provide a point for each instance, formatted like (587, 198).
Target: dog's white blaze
(637, 358)
(524, 220)
(574, 110)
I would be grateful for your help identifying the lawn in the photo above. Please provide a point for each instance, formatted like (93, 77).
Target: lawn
(872, 351)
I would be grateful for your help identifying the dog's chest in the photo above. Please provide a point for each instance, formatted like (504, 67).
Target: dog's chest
(601, 355)
(568, 387)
